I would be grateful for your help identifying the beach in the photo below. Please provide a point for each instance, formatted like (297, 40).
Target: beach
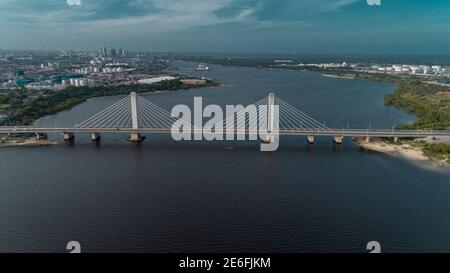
(405, 150)
(29, 141)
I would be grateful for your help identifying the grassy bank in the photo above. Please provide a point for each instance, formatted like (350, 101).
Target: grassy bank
(437, 151)
(431, 104)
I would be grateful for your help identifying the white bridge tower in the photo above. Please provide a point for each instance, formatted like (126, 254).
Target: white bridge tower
(134, 137)
(270, 141)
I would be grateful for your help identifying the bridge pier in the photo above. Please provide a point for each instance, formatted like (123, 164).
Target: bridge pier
(40, 136)
(95, 137)
(136, 138)
(338, 139)
(367, 139)
(68, 136)
(310, 139)
(396, 139)
(271, 141)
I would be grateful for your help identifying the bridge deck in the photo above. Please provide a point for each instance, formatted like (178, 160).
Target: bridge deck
(286, 132)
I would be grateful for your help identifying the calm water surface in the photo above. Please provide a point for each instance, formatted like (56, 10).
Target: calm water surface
(163, 196)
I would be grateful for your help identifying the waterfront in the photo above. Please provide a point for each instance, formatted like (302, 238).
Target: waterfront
(222, 196)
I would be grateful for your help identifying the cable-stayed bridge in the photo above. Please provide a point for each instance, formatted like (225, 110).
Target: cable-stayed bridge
(135, 115)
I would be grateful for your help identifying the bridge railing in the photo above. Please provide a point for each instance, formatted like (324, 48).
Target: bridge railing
(293, 131)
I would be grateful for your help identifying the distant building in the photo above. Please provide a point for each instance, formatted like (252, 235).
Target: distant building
(397, 68)
(114, 70)
(122, 53)
(80, 82)
(427, 70)
(113, 53)
(156, 79)
(22, 82)
(416, 70)
(65, 77)
(19, 73)
(103, 52)
(39, 86)
(283, 61)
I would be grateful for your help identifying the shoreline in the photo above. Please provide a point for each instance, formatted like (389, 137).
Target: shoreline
(79, 95)
(26, 142)
(338, 77)
(438, 83)
(414, 154)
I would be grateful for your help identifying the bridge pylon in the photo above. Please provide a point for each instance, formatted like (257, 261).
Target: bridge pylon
(134, 137)
(270, 141)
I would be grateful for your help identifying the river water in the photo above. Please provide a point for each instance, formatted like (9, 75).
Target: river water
(165, 196)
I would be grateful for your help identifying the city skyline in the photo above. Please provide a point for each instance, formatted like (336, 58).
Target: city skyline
(309, 27)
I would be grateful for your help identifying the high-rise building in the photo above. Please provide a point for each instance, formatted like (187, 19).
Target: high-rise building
(103, 52)
(113, 53)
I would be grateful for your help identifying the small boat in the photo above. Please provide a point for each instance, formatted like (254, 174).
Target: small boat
(202, 67)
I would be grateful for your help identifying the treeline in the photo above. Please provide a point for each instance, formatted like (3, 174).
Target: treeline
(430, 102)
(225, 61)
(53, 102)
(438, 151)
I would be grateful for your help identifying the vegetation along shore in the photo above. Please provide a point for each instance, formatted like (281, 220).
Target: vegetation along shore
(24, 112)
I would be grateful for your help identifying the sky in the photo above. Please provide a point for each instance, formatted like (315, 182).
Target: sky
(416, 27)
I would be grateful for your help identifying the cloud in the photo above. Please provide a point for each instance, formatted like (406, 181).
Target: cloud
(152, 21)
(166, 14)
(74, 2)
(179, 15)
(288, 10)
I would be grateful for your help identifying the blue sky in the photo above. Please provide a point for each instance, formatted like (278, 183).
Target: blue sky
(260, 26)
